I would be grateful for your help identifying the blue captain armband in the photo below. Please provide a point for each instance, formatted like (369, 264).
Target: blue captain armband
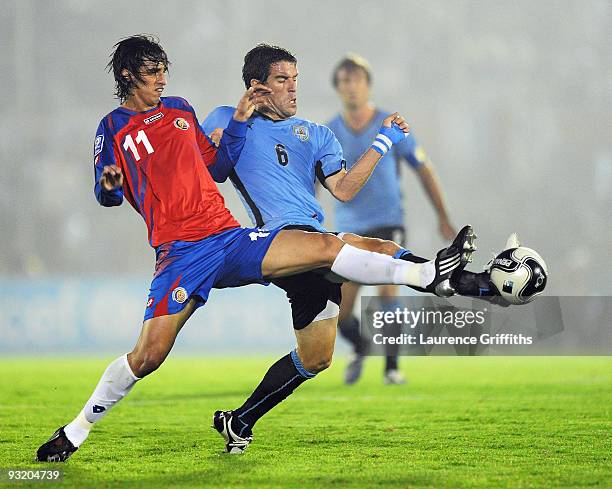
(387, 137)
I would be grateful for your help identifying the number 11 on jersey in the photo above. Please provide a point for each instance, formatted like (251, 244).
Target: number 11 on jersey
(141, 137)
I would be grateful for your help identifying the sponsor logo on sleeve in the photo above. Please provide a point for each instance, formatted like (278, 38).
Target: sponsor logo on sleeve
(98, 143)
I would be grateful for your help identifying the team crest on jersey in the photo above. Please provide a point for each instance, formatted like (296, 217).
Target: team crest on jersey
(181, 123)
(98, 144)
(179, 295)
(153, 118)
(301, 132)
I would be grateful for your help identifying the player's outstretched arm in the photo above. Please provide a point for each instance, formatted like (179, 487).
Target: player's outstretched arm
(230, 141)
(345, 185)
(109, 186)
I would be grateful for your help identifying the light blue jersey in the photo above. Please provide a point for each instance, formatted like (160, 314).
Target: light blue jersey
(379, 203)
(276, 171)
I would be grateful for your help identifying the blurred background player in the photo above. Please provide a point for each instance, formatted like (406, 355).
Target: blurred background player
(377, 210)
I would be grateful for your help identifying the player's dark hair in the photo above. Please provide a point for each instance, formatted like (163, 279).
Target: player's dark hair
(131, 54)
(352, 62)
(258, 61)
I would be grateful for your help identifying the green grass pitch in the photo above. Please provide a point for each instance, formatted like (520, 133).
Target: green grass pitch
(512, 422)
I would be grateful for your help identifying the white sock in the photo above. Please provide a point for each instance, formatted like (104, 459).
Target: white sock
(370, 268)
(115, 383)
(78, 429)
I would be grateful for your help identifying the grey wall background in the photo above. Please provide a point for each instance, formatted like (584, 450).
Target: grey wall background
(512, 101)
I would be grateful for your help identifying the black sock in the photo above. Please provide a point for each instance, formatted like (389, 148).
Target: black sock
(349, 329)
(280, 381)
(393, 329)
(391, 362)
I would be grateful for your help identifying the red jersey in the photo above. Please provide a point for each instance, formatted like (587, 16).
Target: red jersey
(163, 154)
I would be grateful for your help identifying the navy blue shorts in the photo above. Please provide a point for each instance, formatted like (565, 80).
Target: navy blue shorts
(186, 269)
(308, 292)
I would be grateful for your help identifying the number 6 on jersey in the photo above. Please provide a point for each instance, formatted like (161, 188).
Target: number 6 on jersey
(281, 154)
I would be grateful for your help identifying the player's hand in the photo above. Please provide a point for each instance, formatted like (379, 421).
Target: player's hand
(447, 231)
(394, 129)
(396, 123)
(112, 178)
(216, 136)
(254, 96)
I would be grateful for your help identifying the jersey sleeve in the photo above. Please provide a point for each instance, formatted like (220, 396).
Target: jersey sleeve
(218, 118)
(104, 154)
(231, 144)
(205, 145)
(329, 157)
(411, 151)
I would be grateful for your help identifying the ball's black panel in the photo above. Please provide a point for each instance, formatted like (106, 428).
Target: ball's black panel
(505, 261)
(537, 279)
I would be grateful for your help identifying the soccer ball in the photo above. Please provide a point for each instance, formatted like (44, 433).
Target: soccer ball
(518, 273)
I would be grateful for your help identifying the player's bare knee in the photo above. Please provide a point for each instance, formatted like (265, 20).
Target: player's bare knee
(151, 363)
(145, 362)
(330, 246)
(318, 358)
(388, 247)
(318, 363)
(382, 246)
(376, 245)
(325, 362)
